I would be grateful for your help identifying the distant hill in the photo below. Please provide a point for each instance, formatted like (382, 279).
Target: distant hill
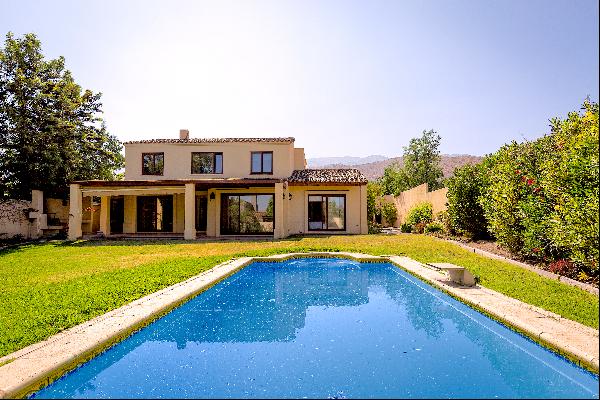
(374, 170)
(321, 162)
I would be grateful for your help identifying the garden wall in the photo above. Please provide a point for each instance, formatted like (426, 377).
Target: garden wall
(32, 219)
(406, 200)
(14, 221)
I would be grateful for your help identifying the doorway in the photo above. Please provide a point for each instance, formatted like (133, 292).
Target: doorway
(117, 214)
(155, 214)
(201, 211)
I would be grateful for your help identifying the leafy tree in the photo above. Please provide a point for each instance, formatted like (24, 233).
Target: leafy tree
(421, 164)
(541, 197)
(393, 180)
(465, 189)
(51, 131)
(570, 177)
(422, 161)
(389, 212)
(514, 204)
(374, 191)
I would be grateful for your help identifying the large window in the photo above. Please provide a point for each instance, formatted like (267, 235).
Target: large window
(207, 163)
(153, 163)
(247, 214)
(327, 212)
(261, 162)
(155, 214)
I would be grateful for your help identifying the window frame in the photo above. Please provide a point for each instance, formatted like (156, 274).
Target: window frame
(154, 154)
(328, 195)
(226, 232)
(262, 162)
(214, 153)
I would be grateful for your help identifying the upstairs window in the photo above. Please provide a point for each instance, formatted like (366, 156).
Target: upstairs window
(153, 163)
(262, 162)
(207, 163)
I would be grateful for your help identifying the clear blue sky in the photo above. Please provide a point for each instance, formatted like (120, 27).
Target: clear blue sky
(343, 77)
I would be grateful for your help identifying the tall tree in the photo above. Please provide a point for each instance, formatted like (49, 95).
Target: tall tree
(422, 161)
(420, 164)
(51, 130)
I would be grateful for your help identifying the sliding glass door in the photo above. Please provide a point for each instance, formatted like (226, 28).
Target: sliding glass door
(155, 214)
(247, 214)
(327, 212)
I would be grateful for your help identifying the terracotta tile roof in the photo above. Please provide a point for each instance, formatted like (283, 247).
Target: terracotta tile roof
(215, 182)
(336, 176)
(216, 140)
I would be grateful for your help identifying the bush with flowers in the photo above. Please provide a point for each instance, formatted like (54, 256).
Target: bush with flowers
(541, 197)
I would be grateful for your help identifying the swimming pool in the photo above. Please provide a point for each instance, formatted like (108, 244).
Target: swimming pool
(325, 328)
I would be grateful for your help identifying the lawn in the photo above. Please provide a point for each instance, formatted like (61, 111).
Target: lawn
(46, 288)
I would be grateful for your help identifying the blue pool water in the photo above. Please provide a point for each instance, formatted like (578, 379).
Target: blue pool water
(325, 328)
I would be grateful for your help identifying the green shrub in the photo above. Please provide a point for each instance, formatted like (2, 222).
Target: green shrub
(465, 213)
(434, 227)
(389, 212)
(419, 227)
(422, 212)
(516, 208)
(374, 227)
(374, 191)
(541, 197)
(444, 219)
(405, 228)
(570, 177)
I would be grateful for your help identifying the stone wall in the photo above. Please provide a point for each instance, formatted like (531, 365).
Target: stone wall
(14, 221)
(406, 200)
(32, 219)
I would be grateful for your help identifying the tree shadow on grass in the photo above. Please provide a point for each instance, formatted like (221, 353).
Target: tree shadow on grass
(293, 241)
(166, 242)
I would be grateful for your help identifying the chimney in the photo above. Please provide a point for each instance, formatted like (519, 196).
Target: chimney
(184, 134)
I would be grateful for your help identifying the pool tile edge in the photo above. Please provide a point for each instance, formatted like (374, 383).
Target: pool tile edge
(576, 341)
(35, 366)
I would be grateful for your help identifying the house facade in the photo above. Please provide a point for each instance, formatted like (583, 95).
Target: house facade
(202, 187)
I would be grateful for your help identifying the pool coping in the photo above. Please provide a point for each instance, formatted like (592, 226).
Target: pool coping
(35, 366)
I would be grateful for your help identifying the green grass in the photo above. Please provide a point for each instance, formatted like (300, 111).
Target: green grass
(46, 288)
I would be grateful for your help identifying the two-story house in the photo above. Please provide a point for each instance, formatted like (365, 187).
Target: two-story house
(195, 187)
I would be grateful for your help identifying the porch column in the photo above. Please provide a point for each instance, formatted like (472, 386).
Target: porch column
(189, 232)
(75, 203)
(105, 215)
(279, 231)
(364, 225)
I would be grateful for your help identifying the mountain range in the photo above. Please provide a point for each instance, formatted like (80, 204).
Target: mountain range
(372, 166)
(320, 162)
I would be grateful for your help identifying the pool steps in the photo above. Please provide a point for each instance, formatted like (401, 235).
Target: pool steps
(35, 366)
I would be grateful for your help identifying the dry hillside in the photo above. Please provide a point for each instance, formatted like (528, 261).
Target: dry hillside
(375, 169)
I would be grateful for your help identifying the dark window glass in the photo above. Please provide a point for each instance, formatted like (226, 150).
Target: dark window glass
(201, 213)
(247, 214)
(207, 163)
(153, 163)
(261, 162)
(326, 212)
(155, 214)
